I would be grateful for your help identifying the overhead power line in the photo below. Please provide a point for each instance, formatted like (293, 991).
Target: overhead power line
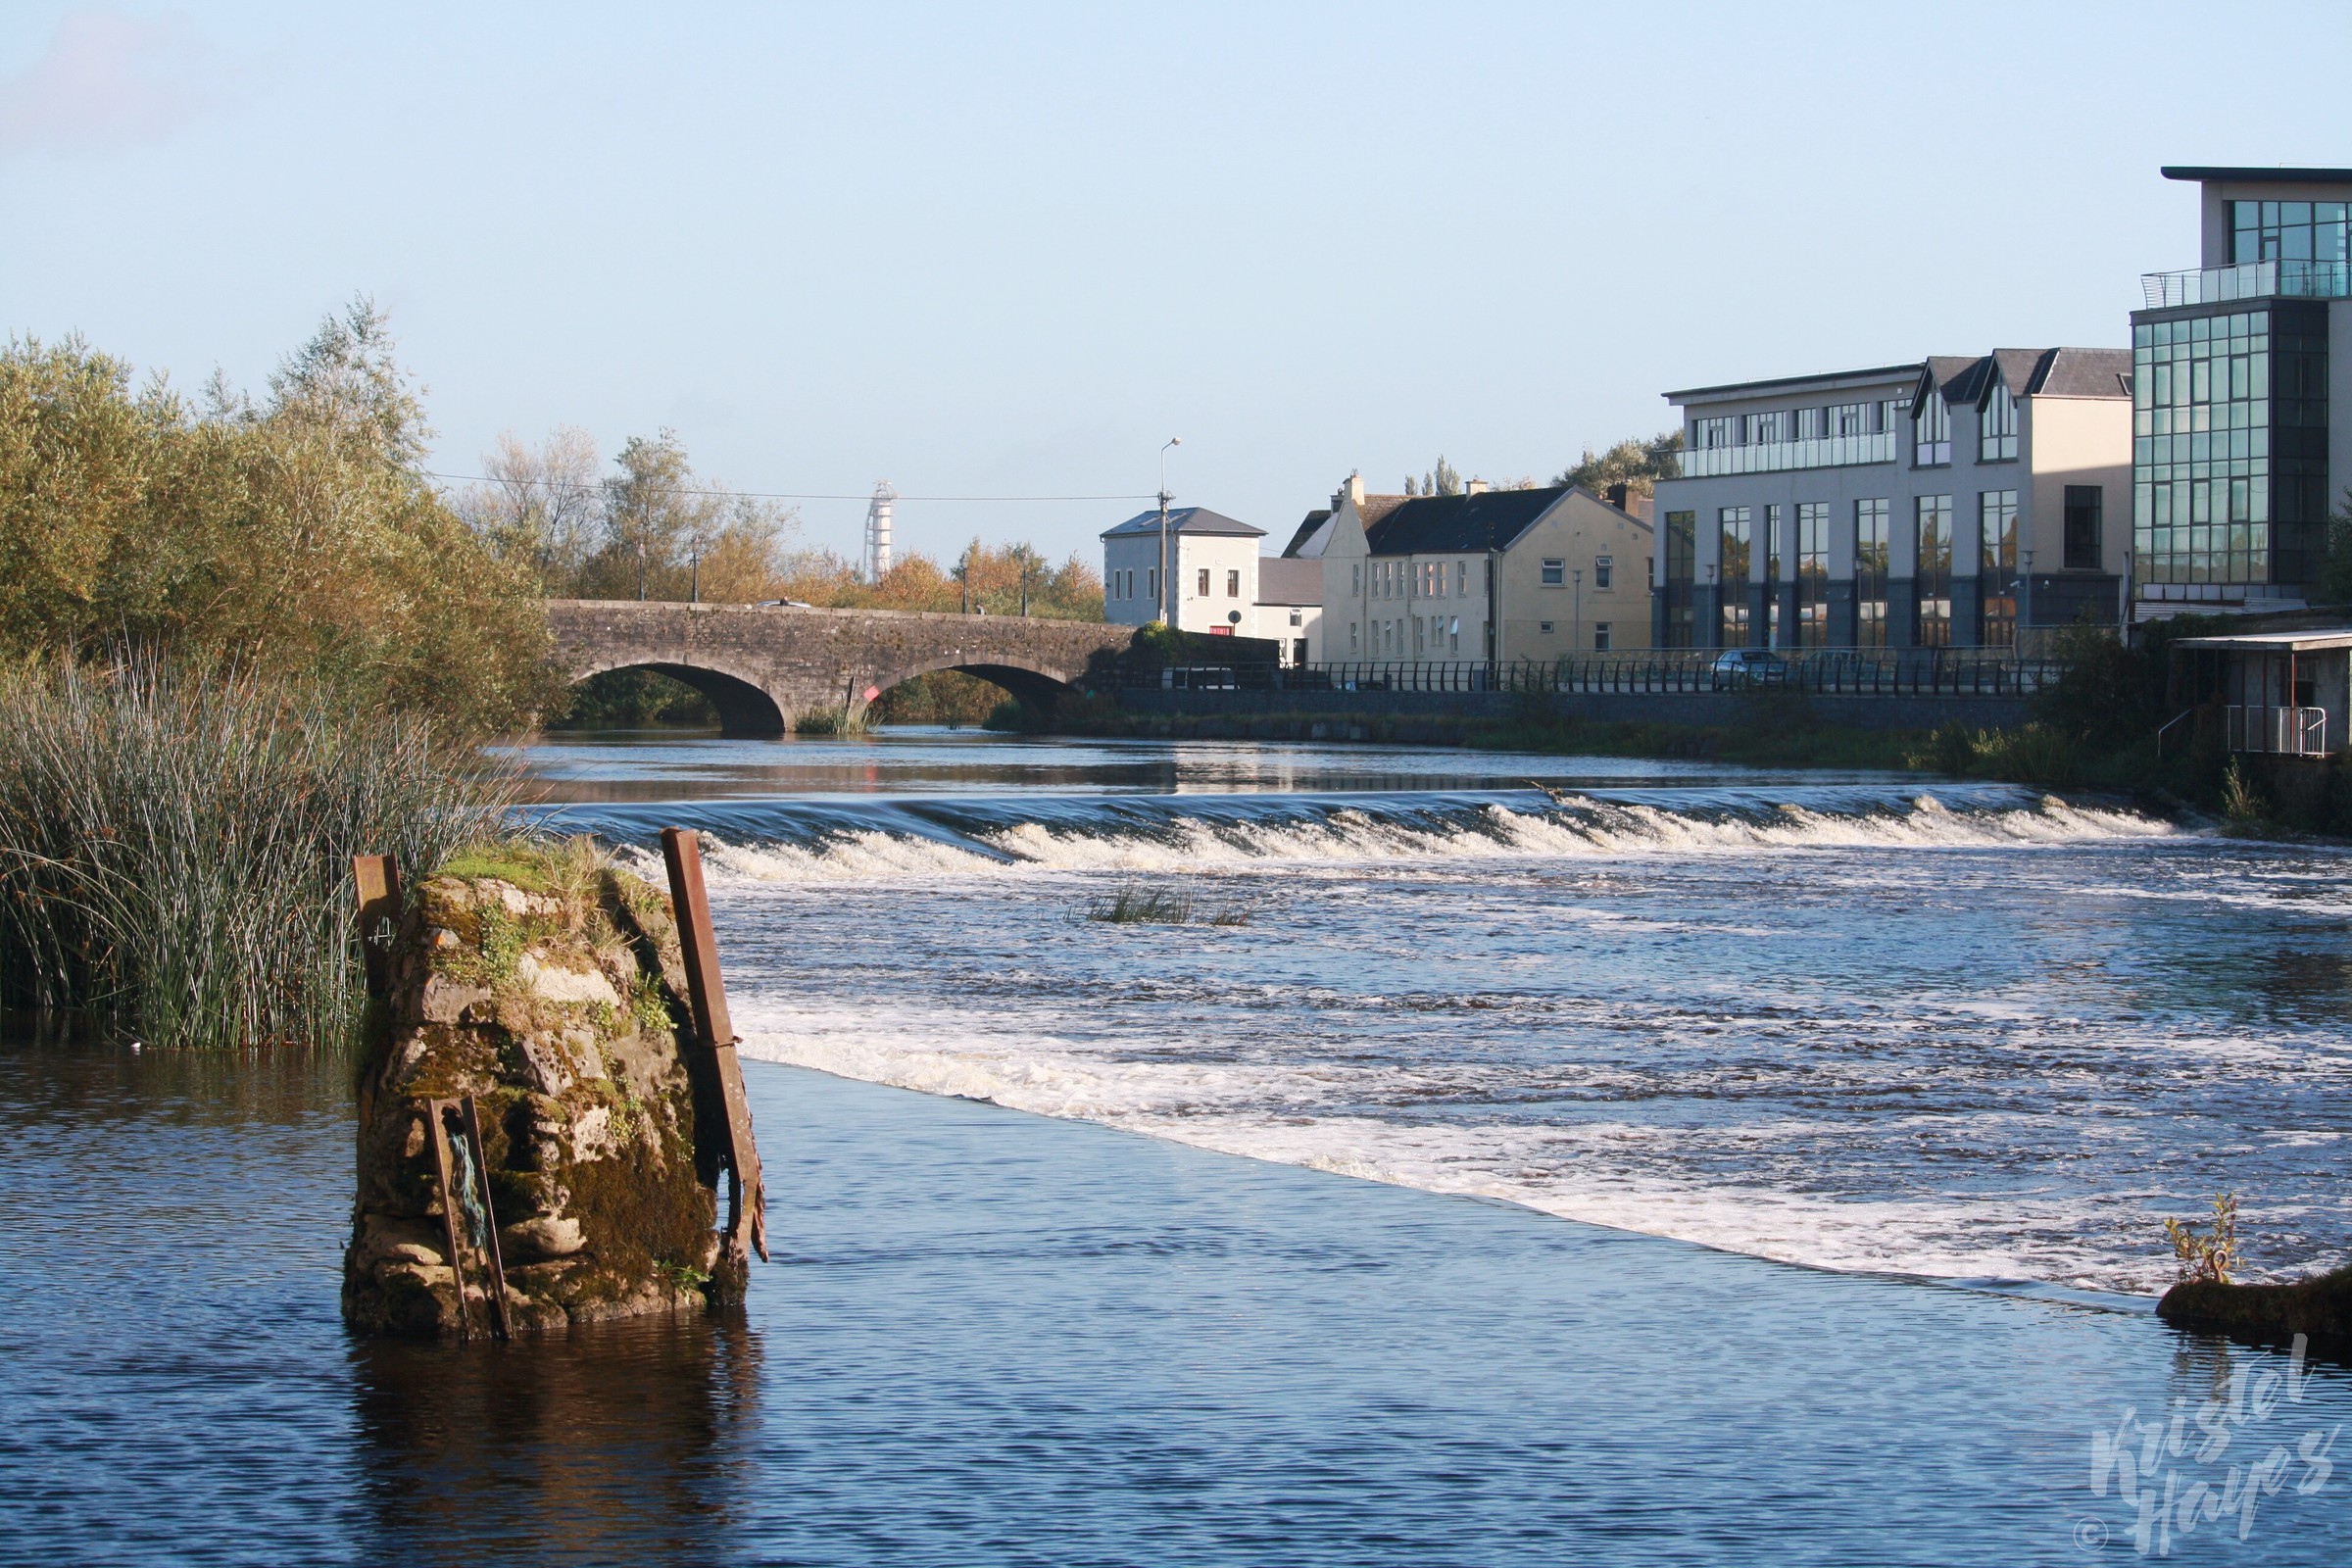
(760, 495)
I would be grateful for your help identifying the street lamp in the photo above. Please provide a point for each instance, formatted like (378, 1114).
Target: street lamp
(1167, 589)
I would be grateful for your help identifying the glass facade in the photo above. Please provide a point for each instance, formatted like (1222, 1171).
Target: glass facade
(1996, 569)
(2287, 231)
(1812, 574)
(1681, 568)
(1736, 527)
(2228, 461)
(1775, 531)
(1870, 574)
(1931, 579)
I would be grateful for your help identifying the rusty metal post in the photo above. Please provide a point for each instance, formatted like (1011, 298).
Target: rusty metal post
(747, 1198)
(433, 1111)
(377, 879)
(481, 1173)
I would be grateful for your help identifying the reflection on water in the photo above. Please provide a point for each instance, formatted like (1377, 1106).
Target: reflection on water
(620, 1436)
(654, 766)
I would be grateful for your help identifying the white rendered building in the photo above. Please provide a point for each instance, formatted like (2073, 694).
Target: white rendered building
(1212, 568)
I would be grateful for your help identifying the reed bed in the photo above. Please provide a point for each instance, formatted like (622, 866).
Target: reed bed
(1140, 904)
(175, 845)
(837, 721)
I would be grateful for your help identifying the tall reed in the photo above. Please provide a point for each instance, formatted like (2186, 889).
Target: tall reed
(175, 845)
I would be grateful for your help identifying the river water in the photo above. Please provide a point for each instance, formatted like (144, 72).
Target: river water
(1970, 1032)
(1954, 1050)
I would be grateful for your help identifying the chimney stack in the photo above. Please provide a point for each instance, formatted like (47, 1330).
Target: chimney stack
(1477, 487)
(1624, 498)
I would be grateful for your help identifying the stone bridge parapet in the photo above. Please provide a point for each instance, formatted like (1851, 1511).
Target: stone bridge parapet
(764, 665)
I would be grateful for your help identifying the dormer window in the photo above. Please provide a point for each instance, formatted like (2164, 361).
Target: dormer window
(1931, 430)
(1996, 424)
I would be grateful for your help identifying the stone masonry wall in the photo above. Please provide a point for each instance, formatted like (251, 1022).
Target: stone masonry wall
(548, 985)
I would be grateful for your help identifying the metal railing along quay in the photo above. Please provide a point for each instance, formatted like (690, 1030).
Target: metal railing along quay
(1825, 671)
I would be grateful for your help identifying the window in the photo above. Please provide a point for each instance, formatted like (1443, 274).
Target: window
(1355, 582)
(1996, 569)
(1870, 572)
(1681, 567)
(1733, 526)
(1709, 433)
(1932, 578)
(1849, 418)
(1555, 573)
(1543, 627)
(1812, 574)
(1453, 634)
(1203, 582)
(1298, 618)
(1812, 423)
(2289, 231)
(1773, 535)
(1600, 636)
(1233, 585)
(1418, 633)
(1602, 566)
(2084, 504)
(1462, 579)
(1996, 425)
(1762, 428)
(1931, 432)
(1151, 580)
(1351, 636)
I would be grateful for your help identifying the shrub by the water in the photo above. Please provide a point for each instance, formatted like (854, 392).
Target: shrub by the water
(175, 845)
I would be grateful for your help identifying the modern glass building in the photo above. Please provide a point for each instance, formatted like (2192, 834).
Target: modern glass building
(2233, 447)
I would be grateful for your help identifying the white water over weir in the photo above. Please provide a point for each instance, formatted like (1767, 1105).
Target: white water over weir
(1975, 1033)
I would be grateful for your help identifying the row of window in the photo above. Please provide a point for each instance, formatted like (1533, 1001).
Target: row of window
(2290, 231)
(1819, 422)
(1415, 579)
(1996, 429)
(1998, 564)
(1123, 584)
(1444, 634)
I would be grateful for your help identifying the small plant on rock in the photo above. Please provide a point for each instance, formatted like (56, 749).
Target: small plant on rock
(2207, 1255)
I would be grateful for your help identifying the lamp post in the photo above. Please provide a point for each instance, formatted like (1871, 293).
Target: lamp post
(1576, 626)
(1167, 585)
(2025, 605)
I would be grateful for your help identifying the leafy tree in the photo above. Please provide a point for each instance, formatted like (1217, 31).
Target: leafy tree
(1634, 463)
(293, 536)
(2336, 557)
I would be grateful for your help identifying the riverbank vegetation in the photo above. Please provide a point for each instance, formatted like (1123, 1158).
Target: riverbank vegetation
(294, 534)
(175, 843)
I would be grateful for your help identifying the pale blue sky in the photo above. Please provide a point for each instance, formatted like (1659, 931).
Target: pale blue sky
(1011, 249)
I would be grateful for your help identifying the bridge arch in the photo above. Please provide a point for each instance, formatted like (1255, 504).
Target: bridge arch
(1035, 687)
(745, 707)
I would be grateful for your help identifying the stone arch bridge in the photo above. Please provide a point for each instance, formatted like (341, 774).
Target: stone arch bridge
(762, 665)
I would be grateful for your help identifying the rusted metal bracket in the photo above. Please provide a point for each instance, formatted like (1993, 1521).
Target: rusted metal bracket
(467, 1117)
(717, 1064)
(378, 878)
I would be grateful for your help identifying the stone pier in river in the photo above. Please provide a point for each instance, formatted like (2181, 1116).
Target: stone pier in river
(551, 989)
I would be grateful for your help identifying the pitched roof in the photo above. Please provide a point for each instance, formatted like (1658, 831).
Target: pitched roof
(1186, 519)
(2034, 372)
(1430, 524)
(2086, 374)
(1308, 526)
(1288, 580)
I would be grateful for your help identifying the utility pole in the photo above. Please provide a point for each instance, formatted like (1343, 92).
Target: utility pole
(1167, 581)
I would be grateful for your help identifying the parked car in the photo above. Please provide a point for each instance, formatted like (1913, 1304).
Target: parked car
(1747, 666)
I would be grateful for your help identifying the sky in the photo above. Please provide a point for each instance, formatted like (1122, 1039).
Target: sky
(1010, 250)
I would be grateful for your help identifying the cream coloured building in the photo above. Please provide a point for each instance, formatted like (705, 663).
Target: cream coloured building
(1487, 574)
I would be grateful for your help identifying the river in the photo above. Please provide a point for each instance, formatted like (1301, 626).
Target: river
(1971, 1033)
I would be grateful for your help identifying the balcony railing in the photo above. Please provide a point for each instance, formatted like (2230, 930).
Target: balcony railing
(2280, 731)
(1771, 457)
(2248, 280)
